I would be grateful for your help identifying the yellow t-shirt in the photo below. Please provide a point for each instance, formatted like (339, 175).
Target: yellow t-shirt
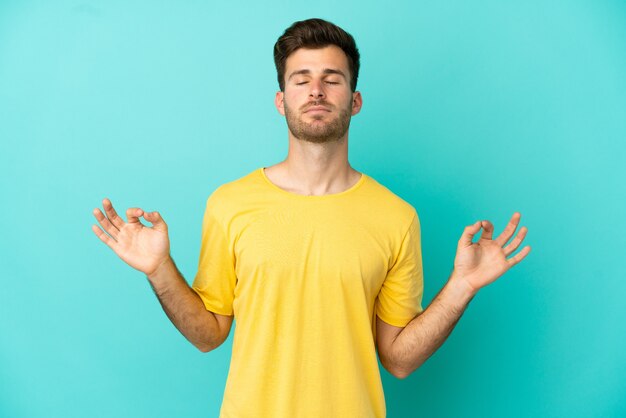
(305, 277)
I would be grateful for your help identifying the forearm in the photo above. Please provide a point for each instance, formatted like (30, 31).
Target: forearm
(184, 307)
(428, 331)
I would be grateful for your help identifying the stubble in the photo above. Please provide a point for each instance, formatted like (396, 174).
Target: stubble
(318, 131)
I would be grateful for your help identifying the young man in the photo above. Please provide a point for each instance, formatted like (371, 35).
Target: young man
(320, 264)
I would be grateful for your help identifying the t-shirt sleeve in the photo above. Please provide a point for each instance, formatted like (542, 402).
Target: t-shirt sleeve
(215, 280)
(400, 298)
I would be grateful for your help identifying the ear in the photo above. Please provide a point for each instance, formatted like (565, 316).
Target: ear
(357, 102)
(279, 102)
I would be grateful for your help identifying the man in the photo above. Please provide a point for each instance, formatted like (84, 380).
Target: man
(320, 264)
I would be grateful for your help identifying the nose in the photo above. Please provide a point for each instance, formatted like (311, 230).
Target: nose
(317, 89)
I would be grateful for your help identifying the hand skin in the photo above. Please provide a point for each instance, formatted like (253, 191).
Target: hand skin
(475, 266)
(147, 250)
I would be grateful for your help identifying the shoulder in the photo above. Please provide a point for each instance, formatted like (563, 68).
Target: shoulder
(233, 189)
(232, 195)
(387, 202)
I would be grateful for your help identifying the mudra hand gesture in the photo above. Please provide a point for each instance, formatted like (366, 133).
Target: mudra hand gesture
(141, 247)
(482, 262)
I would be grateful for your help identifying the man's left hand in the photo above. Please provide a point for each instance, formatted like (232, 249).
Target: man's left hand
(482, 262)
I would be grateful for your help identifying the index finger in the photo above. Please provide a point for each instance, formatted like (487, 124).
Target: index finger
(487, 230)
(133, 215)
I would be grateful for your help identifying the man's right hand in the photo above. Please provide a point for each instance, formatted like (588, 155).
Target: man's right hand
(141, 247)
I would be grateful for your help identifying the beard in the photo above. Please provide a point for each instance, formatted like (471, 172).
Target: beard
(317, 131)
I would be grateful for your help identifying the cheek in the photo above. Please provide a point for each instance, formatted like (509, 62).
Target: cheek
(293, 101)
(292, 96)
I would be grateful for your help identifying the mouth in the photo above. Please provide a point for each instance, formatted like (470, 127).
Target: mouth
(317, 109)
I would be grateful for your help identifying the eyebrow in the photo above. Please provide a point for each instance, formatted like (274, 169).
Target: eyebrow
(326, 71)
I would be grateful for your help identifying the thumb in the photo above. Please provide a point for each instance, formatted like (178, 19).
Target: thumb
(156, 220)
(468, 234)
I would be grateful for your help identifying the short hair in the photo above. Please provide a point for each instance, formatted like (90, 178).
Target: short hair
(315, 34)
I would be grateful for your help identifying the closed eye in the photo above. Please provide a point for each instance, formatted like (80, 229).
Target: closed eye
(327, 82)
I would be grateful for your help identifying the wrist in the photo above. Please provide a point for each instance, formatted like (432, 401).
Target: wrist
(161, 271)
(459, 288)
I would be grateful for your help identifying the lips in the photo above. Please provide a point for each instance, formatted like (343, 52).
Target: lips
(317, 108)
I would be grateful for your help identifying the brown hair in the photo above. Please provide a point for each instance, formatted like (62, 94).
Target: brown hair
(314, 34)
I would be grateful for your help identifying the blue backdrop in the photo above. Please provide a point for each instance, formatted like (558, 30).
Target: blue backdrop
(472, 110)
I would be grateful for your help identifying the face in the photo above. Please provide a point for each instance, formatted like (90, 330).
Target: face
(318, 102)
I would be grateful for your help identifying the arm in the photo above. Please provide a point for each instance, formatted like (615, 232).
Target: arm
(182, 305)
(402, 350)
(147, 250)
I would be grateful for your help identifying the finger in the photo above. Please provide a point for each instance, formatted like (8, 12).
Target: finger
(510, 249)
(519, 256)
(114, 218)
(509, 230)
(156, 220)
(133, 214)
(487, 230)
(104, 237)
(106, 225)
(468, 234)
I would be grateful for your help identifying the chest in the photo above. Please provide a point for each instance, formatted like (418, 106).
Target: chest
(330, 247)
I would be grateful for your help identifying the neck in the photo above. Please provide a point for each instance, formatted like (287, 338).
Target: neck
(314, 169)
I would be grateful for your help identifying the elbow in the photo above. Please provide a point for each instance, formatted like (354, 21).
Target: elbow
(204, 347)
(209, 345)
(395, 371)
(399, 373)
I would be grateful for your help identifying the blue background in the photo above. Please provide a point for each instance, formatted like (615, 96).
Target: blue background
(472, 110)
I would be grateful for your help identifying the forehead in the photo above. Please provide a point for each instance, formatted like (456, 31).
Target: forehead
(330, 56)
